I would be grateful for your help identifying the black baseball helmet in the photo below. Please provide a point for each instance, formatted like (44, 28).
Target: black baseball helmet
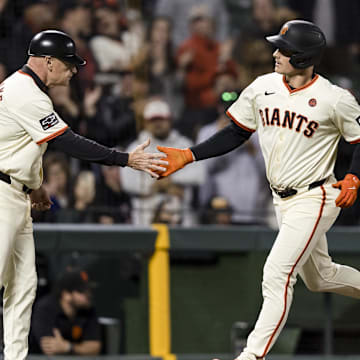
(303, 40)
(57, 44)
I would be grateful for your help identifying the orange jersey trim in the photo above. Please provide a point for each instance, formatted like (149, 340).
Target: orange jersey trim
(291, 91)
(292, 270)
(239, 124)
(52, 136)
(24, 73)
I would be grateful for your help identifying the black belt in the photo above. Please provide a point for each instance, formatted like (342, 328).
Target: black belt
(7, 179)
(290, 191)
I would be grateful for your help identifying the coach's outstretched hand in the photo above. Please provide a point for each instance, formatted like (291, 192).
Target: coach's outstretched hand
(148, 162)
(177, 159)
(349, 187)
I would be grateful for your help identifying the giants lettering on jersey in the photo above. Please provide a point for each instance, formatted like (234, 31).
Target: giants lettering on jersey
(290, 120)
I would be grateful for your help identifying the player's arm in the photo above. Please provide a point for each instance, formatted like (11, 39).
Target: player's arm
(85, 149)
(350, 184)
(347, 119)
(224, 141)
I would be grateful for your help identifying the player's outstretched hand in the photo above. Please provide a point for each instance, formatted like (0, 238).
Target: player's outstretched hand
(40, 200)
(177, 159)
(148, 162)
(348, 194)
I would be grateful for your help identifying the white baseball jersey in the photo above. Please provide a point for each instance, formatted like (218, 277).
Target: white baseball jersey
(27, 122)
(299, 129)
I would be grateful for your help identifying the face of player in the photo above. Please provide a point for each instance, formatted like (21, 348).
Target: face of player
(282, 63)
(60, 72)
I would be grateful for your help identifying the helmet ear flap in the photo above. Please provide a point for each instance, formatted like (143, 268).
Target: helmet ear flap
(302, 61)
(299, 61)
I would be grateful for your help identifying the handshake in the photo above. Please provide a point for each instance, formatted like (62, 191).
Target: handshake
(159, 165)
(176, 158)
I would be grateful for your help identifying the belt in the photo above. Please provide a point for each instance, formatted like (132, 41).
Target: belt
(6, 178)
(290, 191)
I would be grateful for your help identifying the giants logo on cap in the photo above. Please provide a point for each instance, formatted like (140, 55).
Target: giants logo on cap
(284, 30)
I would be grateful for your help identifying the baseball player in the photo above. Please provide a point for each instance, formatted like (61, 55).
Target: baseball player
(300, 117)
(27, 123)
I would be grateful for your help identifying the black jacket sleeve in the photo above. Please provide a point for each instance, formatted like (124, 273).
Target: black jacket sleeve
(355, 162)
(224, 141)
(85, 149)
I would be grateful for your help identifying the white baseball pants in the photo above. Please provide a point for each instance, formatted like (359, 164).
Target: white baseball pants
(17, 269)
(300, 247)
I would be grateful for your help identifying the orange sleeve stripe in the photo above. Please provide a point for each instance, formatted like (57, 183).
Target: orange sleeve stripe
(355, 141)
(52, 136)
(237, 123)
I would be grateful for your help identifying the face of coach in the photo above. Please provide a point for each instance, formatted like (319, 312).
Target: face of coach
(53, 57)
(52, 71)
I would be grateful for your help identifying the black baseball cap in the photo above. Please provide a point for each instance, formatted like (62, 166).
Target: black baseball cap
(74, 281)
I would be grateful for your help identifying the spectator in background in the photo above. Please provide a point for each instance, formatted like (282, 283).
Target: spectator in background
(156, 61)
(217, 212)
(148, 193)
(7, 20)
(110, 111)
(84, 192)
(76, 20)
(253, 58)
(56, 183)
(239, 176)
(199, 58)
(179, 10)
(266, 18)
(66, 106)
(252, 53)
(112, 47)
(113, 204)
(38, 15)
(339, 21)
(169, 211)
(65, 321)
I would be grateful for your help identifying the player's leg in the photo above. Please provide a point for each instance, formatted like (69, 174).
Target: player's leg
(304, 219)
(320, 273)
(19, 293)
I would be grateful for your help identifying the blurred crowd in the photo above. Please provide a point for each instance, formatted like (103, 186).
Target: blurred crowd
(167, 70)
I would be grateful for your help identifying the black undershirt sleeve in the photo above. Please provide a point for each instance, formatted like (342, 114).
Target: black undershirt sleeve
(85, 149)
(224, 141)
(355, 162)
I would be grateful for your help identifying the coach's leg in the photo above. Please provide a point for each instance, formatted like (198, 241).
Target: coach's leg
(320, 273)
(305, 218)
(19, 293)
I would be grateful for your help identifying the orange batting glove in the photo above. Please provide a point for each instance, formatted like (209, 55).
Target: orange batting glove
(349, 187)
(177, 159)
